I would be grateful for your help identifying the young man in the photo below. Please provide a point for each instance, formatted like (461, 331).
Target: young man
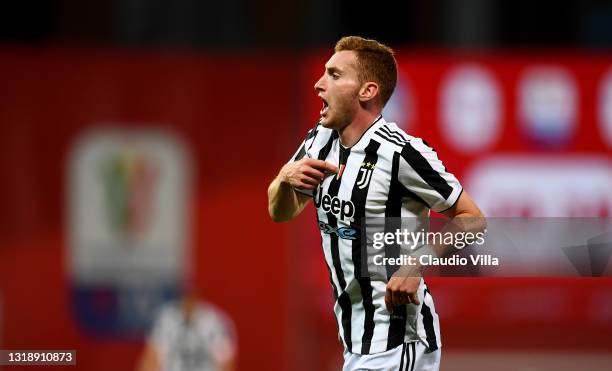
(356, 165)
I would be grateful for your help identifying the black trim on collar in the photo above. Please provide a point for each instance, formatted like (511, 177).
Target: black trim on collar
(362, 134)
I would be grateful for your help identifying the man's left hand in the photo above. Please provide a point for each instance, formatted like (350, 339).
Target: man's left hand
(402, 289)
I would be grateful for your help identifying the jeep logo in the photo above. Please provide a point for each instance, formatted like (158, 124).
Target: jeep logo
(342, 209)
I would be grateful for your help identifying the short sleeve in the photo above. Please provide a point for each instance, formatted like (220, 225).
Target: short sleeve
(305, 145)
(303, 151)
(422, 173)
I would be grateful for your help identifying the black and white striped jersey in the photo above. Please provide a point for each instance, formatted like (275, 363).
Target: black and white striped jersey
(387, 173)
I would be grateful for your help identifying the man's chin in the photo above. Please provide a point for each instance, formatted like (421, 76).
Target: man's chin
(326, 123)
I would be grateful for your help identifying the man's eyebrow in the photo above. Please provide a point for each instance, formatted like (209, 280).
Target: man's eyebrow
(333, 69)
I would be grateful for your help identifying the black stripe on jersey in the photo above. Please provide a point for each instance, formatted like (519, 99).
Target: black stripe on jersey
(420, 164)
(301, 153)
(408, 358)
(311, 134)
(343, 299)
(397, 192)
(393, 134)
(430, 332)
(358, 198)
(401, 368)
(393, 207)
(457, 200)
(388, 139)
(413, 355)
(327, 148)
(322, 156)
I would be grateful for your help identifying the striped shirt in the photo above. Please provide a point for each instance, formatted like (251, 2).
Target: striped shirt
(387, 173)
(205, 342)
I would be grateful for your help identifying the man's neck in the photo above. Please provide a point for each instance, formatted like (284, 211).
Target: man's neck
(351, 133)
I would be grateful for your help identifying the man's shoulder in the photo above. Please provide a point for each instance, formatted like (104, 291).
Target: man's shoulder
(392, 137)
(319, 136)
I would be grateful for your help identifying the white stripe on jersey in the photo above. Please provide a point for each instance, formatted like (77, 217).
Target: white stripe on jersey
(387, 173)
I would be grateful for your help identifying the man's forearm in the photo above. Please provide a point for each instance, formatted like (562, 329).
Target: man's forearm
(283, 202)
(464, 223)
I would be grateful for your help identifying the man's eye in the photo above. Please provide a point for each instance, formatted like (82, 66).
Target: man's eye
(335, 76)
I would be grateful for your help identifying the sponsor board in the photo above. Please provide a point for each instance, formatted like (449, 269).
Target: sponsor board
(127, 227)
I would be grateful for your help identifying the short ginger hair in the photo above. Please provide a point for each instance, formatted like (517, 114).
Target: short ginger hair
(375, 62)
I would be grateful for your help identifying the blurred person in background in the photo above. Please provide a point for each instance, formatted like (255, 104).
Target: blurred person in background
(354, 164)
(190, 335)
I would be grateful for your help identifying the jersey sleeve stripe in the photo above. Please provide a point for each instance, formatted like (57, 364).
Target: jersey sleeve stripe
(385, 137)
(393, 134)
(454, 203)
(425, 170)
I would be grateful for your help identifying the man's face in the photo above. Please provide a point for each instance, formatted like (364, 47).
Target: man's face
(339, 89)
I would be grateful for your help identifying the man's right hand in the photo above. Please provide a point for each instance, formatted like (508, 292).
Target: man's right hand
(306, 173)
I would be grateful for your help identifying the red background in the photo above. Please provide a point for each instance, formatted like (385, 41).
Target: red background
(242, 116)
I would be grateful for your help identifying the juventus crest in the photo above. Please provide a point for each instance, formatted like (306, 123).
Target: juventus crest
(365, 174)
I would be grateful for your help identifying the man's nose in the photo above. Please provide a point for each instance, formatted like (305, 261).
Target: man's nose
(319, 84)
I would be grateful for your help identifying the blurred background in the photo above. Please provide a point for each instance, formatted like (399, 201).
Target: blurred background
(139, 138)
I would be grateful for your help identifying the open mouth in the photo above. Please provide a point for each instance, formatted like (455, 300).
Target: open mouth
(325, 107)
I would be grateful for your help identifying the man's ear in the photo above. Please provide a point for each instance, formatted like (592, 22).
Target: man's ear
(368, 91)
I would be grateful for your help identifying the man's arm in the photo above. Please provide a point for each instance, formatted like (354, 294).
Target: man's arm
(465, 216)
(465, 207)
(284, 203)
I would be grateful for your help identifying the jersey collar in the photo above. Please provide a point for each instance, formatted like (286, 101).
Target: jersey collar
(363, 141)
